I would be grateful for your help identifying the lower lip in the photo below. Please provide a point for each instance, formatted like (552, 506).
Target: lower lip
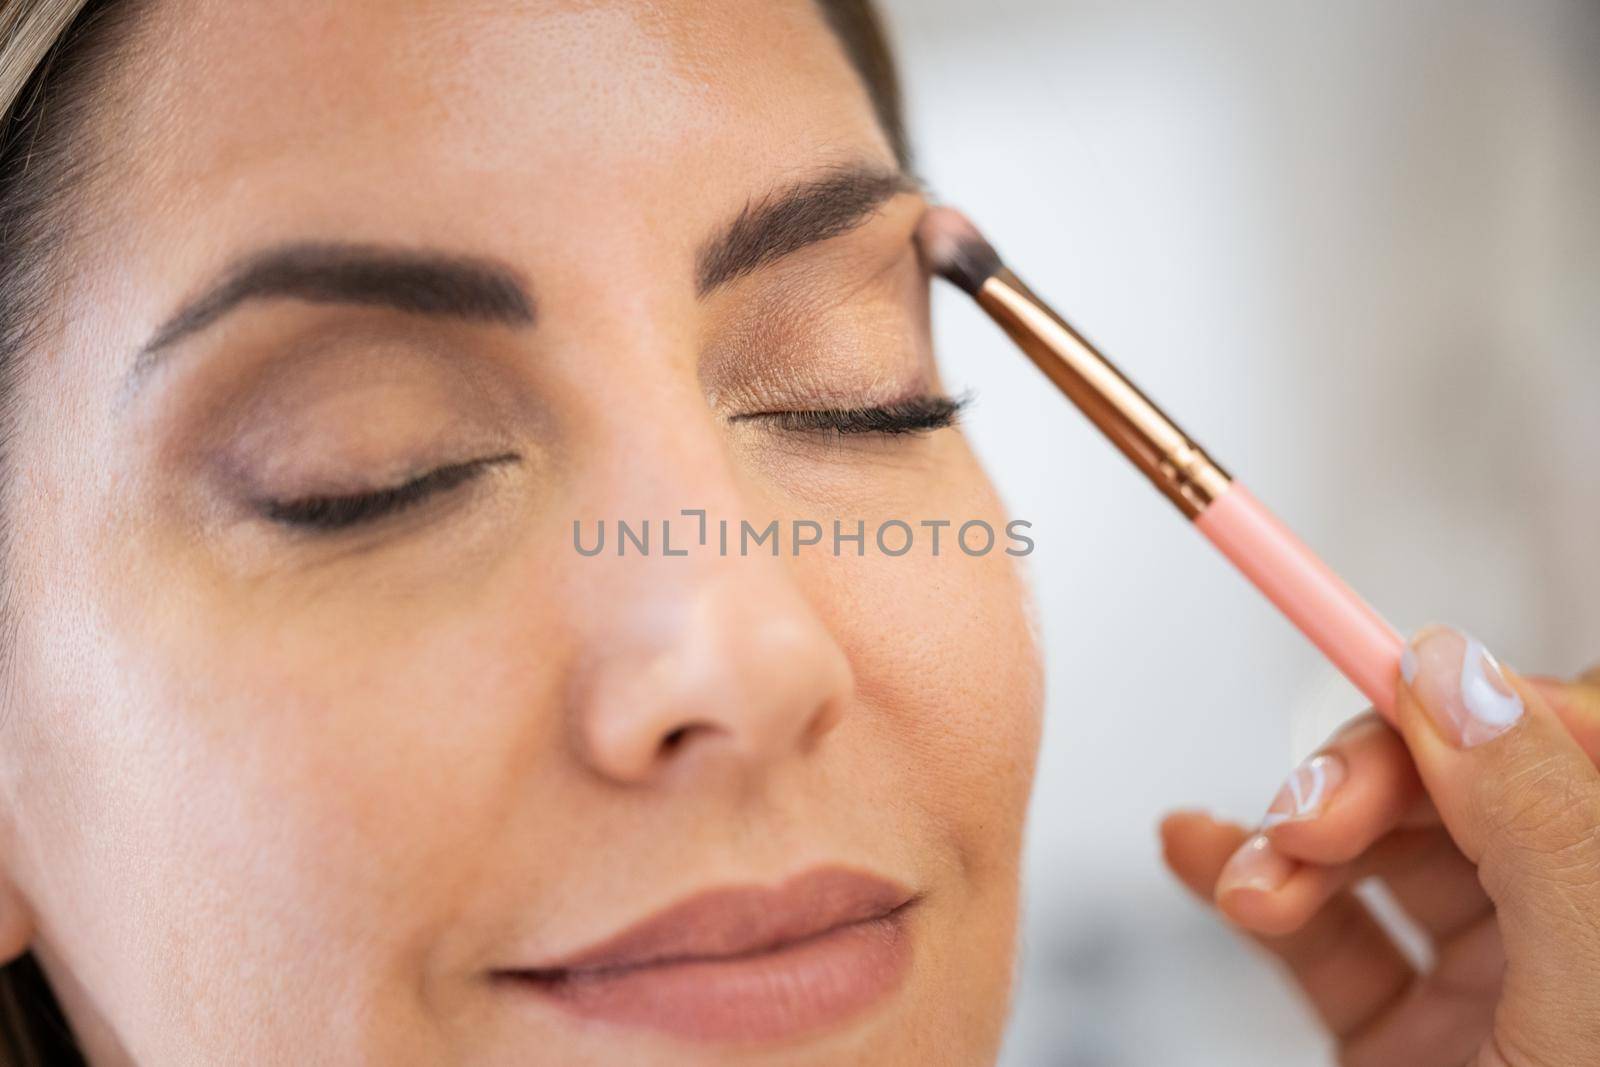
(800, 988)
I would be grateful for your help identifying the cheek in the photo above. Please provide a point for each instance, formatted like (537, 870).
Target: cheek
(949, 683)
(296, 794)
(368, 762)
(946, 661)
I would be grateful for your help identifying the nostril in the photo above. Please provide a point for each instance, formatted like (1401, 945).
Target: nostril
(677, 739)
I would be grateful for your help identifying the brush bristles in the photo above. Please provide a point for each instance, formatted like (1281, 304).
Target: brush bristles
(953, 248)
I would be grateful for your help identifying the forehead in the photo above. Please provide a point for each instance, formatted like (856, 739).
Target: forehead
(473, 121)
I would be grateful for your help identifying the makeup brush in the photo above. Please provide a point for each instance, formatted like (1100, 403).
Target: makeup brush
(1354, 637)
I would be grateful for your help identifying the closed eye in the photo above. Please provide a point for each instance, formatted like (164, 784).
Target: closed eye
(328, 514)
(918, 415)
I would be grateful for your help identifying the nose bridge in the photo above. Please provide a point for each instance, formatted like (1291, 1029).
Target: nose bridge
(659, 476)
(695, 652)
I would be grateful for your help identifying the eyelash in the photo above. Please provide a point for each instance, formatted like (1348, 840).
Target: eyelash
(330, 514)
(919, 415)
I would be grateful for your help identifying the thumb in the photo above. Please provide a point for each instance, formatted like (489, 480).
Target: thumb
(1521, 798)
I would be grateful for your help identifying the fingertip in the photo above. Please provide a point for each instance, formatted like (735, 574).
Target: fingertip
(1171, 832)
(1275, 903)
(1183, 820)
(1336, 804)
(1513, 783)
(1260, 911)
(1247, 889)
(1197, 829)
(1195, 846)
(1254, 865)
(1467, 695)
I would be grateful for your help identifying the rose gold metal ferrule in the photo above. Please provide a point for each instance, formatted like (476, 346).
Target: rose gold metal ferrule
(1178, 467)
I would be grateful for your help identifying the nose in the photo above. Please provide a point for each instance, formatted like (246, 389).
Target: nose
(727, 666)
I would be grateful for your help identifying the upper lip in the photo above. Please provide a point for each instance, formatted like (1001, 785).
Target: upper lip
(737, 921)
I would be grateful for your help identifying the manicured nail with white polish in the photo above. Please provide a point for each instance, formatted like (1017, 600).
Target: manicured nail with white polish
(1257, 865)
(1461, 685)
(1306, 793)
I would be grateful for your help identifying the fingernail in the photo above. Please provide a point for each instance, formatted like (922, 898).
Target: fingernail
(1461, 685)
(1306, 792)
(1257, 865)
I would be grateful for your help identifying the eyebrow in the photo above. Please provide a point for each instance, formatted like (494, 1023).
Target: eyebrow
(789, 220)
(421, 282)
(483, 290)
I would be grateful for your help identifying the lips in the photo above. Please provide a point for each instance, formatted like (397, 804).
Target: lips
(741, 963)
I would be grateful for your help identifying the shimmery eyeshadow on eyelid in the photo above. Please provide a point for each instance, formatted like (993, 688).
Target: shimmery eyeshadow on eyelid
(828, 382)
(801, 346)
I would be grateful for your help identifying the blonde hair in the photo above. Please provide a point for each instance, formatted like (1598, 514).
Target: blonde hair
(29, 29)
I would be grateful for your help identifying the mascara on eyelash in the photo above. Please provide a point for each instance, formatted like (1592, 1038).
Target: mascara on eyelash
(914, 416)
(333, 513)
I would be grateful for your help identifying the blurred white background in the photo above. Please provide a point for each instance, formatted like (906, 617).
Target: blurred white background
(1355, 249)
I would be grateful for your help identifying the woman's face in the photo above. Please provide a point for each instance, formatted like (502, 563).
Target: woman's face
(292, 781)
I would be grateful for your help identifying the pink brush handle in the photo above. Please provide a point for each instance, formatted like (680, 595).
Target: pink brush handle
(1355, 638)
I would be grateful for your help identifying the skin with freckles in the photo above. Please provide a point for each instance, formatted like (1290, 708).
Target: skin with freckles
(280, 794)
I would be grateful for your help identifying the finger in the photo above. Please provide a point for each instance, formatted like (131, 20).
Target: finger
(1521, 798)
(1444, 1017)
(1362, 785)
(1358, 787)
(1437, 887)
(1269, 895)
(1342, 960)
(1356, 791)
(1195, 846)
